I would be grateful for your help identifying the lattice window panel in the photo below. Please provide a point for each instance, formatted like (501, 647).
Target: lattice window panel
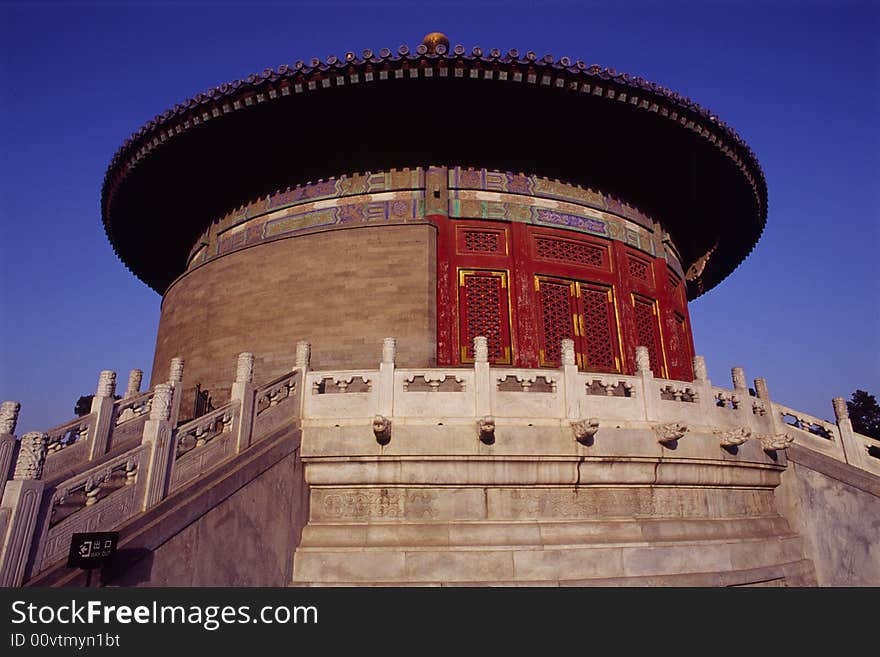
(598, 328)
(557, 318)
(482, 241)
(639, 269)
(579, 253)
(483, 310)
(648, 332)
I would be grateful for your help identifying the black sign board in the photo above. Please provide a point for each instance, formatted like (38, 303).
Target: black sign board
(91, 550)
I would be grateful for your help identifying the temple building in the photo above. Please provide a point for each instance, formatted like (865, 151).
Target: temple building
(426, 319)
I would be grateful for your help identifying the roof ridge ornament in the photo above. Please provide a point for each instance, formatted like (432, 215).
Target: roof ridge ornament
(434, 39)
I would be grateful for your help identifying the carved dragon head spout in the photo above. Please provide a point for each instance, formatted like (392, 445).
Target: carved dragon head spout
(667, 434)
(487, 430)
(584, 430)
(733, 437)
(777, 442)
(382, 429)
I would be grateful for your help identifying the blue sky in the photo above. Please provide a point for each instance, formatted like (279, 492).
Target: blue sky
(797, 80)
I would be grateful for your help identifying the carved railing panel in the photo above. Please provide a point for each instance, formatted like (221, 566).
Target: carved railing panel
(197, 433)
(131, 408)
(343, 394)
(760, 407)
(98, 499)
(197, 462)
(129, 416)
(525, 382)
(434, 382)
(679, 393)
(276, 403)
(610, 397)
(329, 385)
(820, 430)
(610, 387)
(128, 434)
(69, 433)
(67, 447)
(809, 431)
(527, 393)
(435, 393)
(728, 399)
(869, 456)
(204, 443)
(677, 401)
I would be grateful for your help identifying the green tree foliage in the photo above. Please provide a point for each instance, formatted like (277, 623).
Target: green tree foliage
(864, 413)
(84, 404)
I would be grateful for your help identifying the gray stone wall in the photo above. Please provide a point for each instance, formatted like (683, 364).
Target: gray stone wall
(836, 510)
(246, 540)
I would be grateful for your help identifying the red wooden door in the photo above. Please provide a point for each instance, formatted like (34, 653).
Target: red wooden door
(579, 311)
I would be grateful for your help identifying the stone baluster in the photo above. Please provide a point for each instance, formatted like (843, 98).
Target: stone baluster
(303, 355)
(102, 409)
(134, 388)
(303, 364)
(643, 360)
(762, 407)
(8, 419)
(244, 392)
(650, 392)
(175, 380)
(761, 390)
(741, 399)
(853, 451)
(175, 371)
(159, 436)
(134, 383)
(701, 375)
(385, 397)
(738, 375)
(482, 378)
(21, 504)
(762, 393)
(571, 391)
(703, 386)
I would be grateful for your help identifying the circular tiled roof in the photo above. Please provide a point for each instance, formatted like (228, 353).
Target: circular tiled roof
(512, 111)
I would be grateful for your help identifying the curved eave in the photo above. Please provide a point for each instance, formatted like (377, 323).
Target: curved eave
(587, 125)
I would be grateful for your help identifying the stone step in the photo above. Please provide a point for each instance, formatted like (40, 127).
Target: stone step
(537, 533)
(796, 573)
(408, 564)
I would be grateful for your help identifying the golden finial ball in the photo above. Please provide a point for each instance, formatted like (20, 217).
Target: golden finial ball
(434, 39)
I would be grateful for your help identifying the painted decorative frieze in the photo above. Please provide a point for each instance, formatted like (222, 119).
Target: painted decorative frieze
(398, 196)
